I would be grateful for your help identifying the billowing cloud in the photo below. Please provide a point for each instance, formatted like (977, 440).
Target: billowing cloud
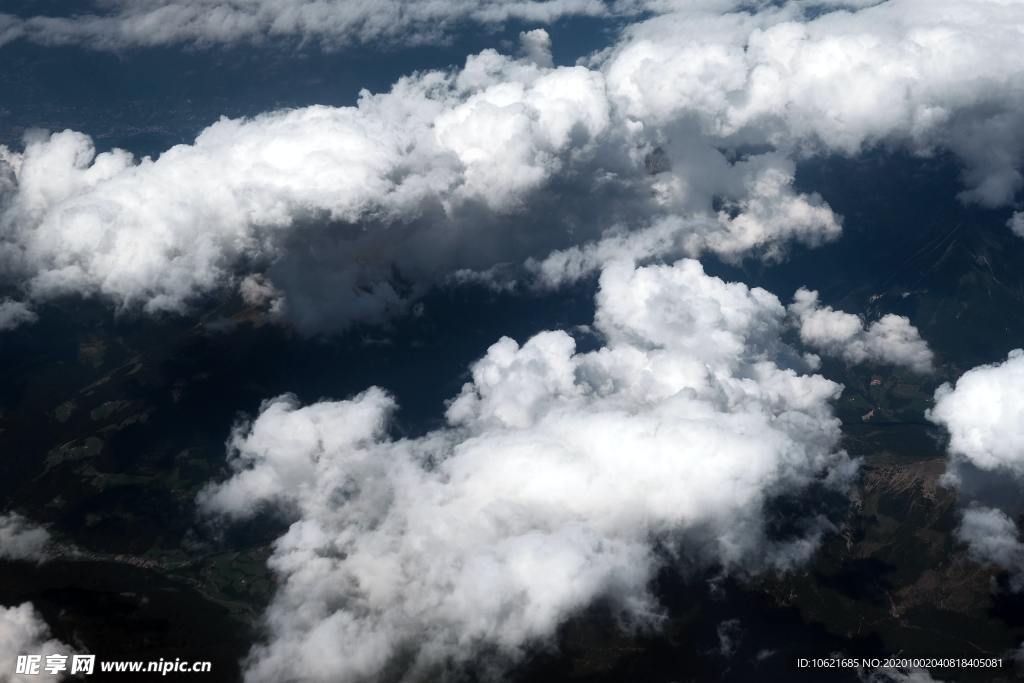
(903, 72)
(15, 314)
(561, 477)
(984, 415)
(496, 162)
(679, 139)
(992, 537)
(23, 632)
(331, 23)
(891, 339)
(20, 539)
(258, 291)
(536, 46)
(769, 214)
(398, 181)
(1016, 223)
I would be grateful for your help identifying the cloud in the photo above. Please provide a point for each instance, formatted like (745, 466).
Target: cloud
(411, 180)
(992, 538)
(22, 632)
(891, 339)
(768, 214)
(15, 314)
(730, 635)
(561, 477)
(984, 415)
(333, 24)
(901, 72)
(1016, 223)
(496, 162)
(256, 290)
(22, 540)
(681, 138)
(536, 47)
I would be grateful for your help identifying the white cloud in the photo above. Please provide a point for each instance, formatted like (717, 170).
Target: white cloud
(767, 215)
(331, 23)
(536, 47)
(890, 339)
(508, 160)
(924, 73)
(992, 537)
(15, 314)
(23, 631)
(559, 474)
(1016, 223)
(984, 414)
(256, 290)
(402, 175)
(22, 540)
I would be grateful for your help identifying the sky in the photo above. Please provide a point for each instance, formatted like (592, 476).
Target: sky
(331, 163)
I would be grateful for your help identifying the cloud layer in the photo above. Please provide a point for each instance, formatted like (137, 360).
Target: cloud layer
(561, 477)
(333, 24)
(412, 179)
(904, 71)
(681, 138)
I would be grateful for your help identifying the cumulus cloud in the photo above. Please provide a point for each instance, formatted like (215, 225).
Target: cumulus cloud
(256, 290)
(561, 477)
(891, 339)
(903, 72)
(681, 138)
(402, 175)
(984, 415)
(992, 538)
(768, 214)
(536, 46)
(495, 162)
(20, 539)
(331, 23)
(1016, 223)
(22, 632)
(15, 314)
